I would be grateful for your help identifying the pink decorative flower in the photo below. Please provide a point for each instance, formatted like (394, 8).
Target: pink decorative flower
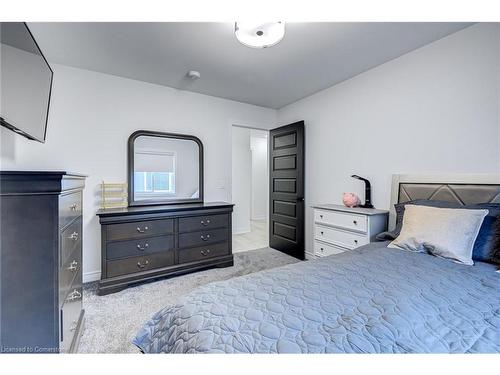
(350, 200)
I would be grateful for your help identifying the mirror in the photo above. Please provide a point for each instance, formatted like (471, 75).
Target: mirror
(164, 168)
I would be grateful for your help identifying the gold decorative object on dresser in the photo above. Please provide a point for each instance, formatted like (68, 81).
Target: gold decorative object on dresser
(114, 195)
(338, 228)
(41, 256)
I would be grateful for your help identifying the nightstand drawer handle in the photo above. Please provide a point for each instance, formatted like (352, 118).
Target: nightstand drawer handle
(142, 230)
(356, 242)
(321, 216)
(322, 232)
(322, 249)
(355, 222)
(205, 238)
(146, 245)
(142, 265)
(205, 222)
(205, 252)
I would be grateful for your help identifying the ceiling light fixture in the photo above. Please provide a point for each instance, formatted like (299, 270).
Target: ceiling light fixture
(259, 35)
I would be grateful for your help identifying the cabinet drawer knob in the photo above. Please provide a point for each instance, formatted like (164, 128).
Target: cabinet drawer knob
(75, 294)
(73, 207)
(146, 245)
(205, 238)
(73, 266)
(322, 249)
(142, 265)
(322, 232)
(355, 222)
(142, 230)
(321, 216)
(73, 236)
(356, 242)
(205, 252)
(205, 222)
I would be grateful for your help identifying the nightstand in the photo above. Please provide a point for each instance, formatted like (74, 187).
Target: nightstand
(338, 228)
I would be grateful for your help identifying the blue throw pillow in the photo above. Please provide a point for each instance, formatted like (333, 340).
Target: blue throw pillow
(487, 245)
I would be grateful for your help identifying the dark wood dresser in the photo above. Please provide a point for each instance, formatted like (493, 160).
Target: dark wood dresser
(144, 243)
(41, 261)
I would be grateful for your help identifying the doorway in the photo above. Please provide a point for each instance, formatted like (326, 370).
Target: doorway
(250, 188)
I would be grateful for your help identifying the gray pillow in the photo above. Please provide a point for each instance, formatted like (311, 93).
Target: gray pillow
(445, 232)
(487, 245)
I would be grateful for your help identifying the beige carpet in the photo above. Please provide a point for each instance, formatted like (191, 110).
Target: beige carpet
(113, 320)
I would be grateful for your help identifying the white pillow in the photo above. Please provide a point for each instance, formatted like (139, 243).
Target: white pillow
(444, 232)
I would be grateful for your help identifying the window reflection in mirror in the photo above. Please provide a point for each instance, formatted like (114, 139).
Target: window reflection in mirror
(165, 168)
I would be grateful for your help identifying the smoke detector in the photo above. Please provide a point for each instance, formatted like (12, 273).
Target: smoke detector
(193, 74)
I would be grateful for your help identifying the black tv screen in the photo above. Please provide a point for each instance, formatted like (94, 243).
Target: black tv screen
(26, 82)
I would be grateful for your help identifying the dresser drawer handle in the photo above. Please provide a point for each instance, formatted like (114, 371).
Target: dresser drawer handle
(321, 216)
(73, 266)
(205, 222)
(73, 207)
(355, 222)
(142, 265)
(75, 294)
(142, 248)
(356, 242)
(322, 232)
(205, 238)
(205, 252)
(322, 249)
(73, 236)
(142, 230)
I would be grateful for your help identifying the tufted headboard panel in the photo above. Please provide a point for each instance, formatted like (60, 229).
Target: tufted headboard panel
(461, 189)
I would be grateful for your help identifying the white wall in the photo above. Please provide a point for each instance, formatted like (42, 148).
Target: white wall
(260, 178)
(241, 179)
(433, 110)
(91, 118)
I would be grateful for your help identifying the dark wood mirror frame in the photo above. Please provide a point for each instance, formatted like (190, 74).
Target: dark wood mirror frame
(131, 140)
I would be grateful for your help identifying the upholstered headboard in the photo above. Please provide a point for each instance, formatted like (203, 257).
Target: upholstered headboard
(461, 189)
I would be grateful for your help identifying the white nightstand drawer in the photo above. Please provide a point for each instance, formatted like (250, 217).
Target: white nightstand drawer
(322, 249)
(339, 219)
(339, 237)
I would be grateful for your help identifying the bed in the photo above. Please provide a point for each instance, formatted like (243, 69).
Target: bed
(373, 299)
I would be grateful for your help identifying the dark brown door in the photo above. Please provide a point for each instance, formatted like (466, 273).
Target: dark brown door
(286, 189)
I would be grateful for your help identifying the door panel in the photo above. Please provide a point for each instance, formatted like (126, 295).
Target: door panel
(286, 211)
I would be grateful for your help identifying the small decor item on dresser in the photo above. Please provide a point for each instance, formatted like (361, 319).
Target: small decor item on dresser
(350, 200)
(114, 195)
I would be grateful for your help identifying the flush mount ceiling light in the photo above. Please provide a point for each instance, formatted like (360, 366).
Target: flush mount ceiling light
(259, 35)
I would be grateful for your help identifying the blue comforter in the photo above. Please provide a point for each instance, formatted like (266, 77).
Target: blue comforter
(370, 300)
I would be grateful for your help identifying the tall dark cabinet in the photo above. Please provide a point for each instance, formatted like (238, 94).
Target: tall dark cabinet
(41, 261)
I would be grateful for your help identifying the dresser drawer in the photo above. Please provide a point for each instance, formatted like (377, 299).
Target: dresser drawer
(139, 247)
(322, 249)
(339, 219)
(71, 239)
(341, 238)
(70, 314)
(202, 238)
(198, 223)
(139, 264)
(203, 252)
(71, 268)
(139, 229)
(70, 207)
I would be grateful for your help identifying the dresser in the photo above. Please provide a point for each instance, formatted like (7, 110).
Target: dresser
(338, 228)
(41, 261)
(146, 243)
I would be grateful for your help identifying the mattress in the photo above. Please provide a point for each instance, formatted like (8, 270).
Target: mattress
(370, 300)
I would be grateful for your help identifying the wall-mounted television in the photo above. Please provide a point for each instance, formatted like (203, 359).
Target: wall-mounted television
(25, 84)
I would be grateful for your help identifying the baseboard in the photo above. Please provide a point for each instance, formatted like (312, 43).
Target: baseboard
(263, 217)
(241, 230)
(91, 276)
(310, 256)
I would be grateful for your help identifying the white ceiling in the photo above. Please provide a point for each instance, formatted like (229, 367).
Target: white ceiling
(311, 57)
